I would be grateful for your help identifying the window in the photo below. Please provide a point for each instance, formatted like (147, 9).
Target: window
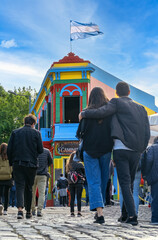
(49, 115)
(71, 109)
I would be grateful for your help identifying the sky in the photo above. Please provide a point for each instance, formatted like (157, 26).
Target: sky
(36, 33)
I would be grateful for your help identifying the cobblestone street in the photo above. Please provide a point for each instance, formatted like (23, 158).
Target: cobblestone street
(57, 224)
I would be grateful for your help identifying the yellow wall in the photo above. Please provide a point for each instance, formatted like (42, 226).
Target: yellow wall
(70, 75)
(60, 65)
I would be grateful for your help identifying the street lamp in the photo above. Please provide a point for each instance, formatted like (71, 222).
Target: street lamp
(29, 96)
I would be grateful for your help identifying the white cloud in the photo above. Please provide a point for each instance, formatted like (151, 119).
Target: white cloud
(152, 55)
(20, 69)
(8, 44)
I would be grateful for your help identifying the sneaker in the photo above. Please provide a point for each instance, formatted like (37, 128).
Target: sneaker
(5, 213)
(20, 215)
(96, 215)
(132, 220)
(1, 209)
(99, 220)
(39, 214)
(33, 212)
(122, 219)
(28, 215)
(72, 214)
(79, 214)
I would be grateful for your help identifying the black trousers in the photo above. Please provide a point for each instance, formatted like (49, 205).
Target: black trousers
(4, 193)
(63, 200)
(75, 188)
(126, 165)
(108, 195)
(24, 180)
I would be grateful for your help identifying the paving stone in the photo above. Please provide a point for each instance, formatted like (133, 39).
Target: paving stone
(7, 233)
(57, 224)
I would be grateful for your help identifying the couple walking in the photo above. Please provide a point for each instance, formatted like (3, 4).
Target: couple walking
(120, 124)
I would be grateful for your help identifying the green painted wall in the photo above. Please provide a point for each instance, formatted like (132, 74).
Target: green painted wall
(84, 98)
(57, 117)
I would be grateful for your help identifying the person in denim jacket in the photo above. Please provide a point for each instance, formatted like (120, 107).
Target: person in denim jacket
(149, 166)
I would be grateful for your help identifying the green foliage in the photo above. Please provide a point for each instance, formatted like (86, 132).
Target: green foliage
(13, 109)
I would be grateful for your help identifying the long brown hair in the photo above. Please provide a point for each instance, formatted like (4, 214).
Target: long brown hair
(3, 151)
(97, 98)
(69, 162)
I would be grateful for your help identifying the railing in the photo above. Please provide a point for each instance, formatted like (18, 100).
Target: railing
(65, 131)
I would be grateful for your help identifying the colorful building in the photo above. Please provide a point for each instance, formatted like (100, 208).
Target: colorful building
(63, 94)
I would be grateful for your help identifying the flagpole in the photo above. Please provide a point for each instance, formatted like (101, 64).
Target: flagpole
(70, 38)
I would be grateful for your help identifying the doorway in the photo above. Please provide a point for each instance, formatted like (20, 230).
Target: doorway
(71, 109)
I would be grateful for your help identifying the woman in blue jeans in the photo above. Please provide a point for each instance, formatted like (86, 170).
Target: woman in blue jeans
(97, 147)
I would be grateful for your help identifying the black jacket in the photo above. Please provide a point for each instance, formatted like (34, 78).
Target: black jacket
(24, 146)
(44, 161)
(96, 136)
(129, 123)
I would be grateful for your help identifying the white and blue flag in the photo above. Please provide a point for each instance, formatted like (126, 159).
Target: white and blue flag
(83, 30)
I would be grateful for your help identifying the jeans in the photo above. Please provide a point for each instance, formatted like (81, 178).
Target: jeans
(97, 174)
(12, 198)
(75, 188)
(40, 183)
(126, 165)
(24, 180)
(135, 191)
(87, 193)
(4, 192)
(46, 197)
(154, 203)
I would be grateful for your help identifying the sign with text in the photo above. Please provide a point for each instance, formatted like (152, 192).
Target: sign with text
(65, 148)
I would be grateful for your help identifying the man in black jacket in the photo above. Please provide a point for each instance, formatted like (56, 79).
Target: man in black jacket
(130, 131)
(24, 146)
(45, 160)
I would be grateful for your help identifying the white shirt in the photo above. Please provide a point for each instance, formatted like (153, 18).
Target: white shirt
(119, 145)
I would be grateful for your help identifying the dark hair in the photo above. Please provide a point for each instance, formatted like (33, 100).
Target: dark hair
(69, 162)
(122, 89)
(155, 139)
(61, 175)
(30, 119)
(97, 98)
(3, 151)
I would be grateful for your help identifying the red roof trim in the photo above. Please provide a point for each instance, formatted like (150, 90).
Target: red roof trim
(71, 58)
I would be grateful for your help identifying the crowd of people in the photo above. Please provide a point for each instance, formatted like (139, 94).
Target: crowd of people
(117, 129)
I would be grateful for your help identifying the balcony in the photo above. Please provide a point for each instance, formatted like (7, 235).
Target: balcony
(46, 134)
(65, 132)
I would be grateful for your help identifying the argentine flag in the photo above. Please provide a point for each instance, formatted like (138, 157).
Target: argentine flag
(83, 30)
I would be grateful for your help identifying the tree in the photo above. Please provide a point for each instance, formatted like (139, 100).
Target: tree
(13, 108)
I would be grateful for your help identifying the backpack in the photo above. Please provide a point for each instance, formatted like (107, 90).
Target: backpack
(73, 176)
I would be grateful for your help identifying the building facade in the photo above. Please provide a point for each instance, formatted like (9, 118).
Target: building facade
(63, 94)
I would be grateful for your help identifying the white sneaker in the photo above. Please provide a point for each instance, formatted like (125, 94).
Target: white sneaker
(1, 209)
(5, 213)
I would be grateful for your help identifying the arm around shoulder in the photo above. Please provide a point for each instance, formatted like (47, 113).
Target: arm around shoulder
(102, 112)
